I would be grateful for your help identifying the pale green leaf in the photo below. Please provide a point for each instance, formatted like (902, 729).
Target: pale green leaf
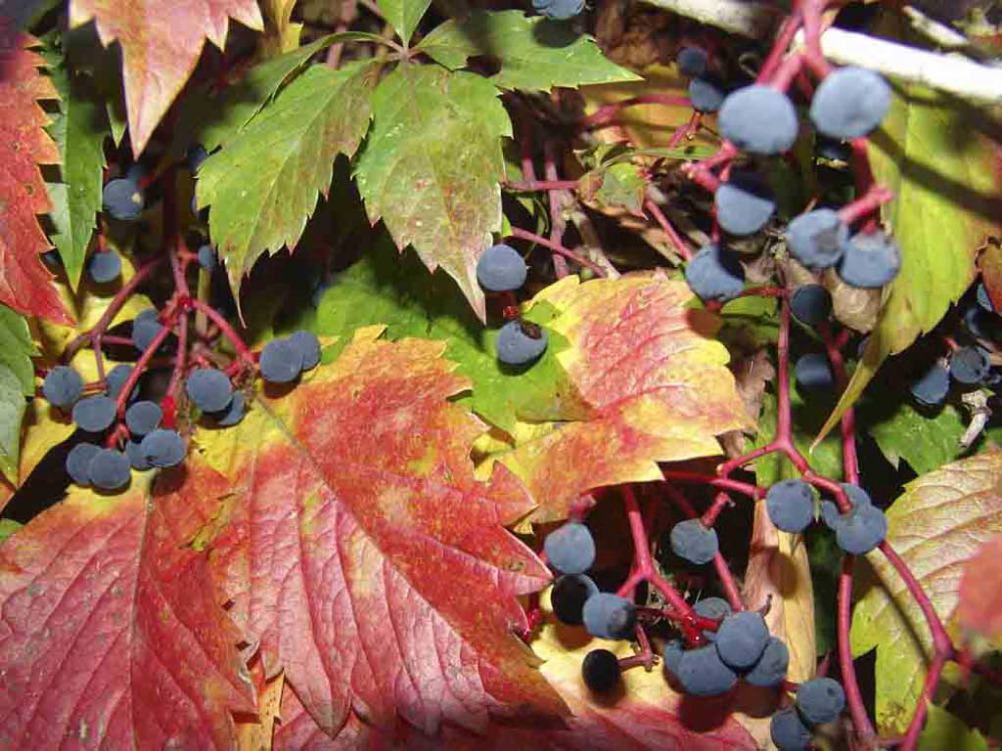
(265, 183)
(618, 185)
(12, 406)
(940, 159)
(534, 53)
(17, 348)
(944, 730)
(936, 526)
(405, 15)
(432, 165)
(79, 128)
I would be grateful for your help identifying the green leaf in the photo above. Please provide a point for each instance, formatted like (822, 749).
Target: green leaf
(79, 128)
(404, 15)
(936, 526)
(534, 53)
(264, 184)
(432, 165)
(212, 120)
(17, 348)
(12, 406)
(940, 159)
(944, 730)
(618, 185)
(387, 288)
(7, 528)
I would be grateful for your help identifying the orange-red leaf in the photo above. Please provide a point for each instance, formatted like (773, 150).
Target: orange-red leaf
(656, 383)
(161, 42)
(980, 606)
(365, 558)
(110, 636)
(25, 284)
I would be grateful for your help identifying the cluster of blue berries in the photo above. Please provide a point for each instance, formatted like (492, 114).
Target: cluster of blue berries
(501, 269)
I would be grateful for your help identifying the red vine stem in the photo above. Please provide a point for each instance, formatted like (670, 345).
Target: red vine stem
(662, 220)
(227, 330)
(556, 247)
(556, 220)
(853, 696)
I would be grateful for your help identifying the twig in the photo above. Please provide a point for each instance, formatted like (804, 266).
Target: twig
(522, 234)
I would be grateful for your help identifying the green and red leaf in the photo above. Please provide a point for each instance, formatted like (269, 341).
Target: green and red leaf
(363, 555)
(25, 283)
(110, 635)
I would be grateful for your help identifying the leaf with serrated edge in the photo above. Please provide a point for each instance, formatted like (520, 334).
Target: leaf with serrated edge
(405, 15)
(79, 129)
(936, 527)
(432, 165)
(360, 532)
(266, 182)
(25, 283)
(12, 406)
(664, 396)
(17, 348)
(161, 43)
(942, 162)
(111, 634)
(533, 53)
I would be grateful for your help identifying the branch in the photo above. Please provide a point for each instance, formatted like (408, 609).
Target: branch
(749, 19)
(949, 73)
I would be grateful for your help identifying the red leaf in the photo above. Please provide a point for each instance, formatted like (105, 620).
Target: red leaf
(980, 606)
(161, 43)
(363, 555)
(109, 633)
(25, 284)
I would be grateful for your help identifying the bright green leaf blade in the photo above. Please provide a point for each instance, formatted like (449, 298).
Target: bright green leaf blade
(944, 730)
(936, 526)
(941, 160)
(265, 183)
(404, 15)
(12, 406)
(79, 128)
(619, 185)
(17, 349)
(432, 165)
(394, 290)
(534, 53)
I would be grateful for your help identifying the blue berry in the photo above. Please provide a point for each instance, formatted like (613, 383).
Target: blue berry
(712, 607)
(870, 261)
(116, 378)
(145, 328)
(694, 542)
(744, 203)
(970, 365)
(143, 417)
(672, 655)
(281, 361)
(856, 496)
(813, 372)
(123, 199)
(209, 389)
(207, 257)
(715, 274)
(134, 450)
(163, 448)
(790, 504)
(984, 299)
(568, 596)
(78, 460)
(600, 670)
(817, 239)
(850, 103)
(760, 120)
(62, 386)
(702, 673)
(820, 700)
(741, 639)
(570, 549)
(104, 266)
(501, 269)
(811, 304)
(558, 10)
(95, 413)
(861, 530)
(770, 670)
(705, 94)
(692, 61)
(609, 616)
(789, 732)
(109, 470)
(931, 389)
(196, 155)
(520, 343)
(234, 413)
(309, 347)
